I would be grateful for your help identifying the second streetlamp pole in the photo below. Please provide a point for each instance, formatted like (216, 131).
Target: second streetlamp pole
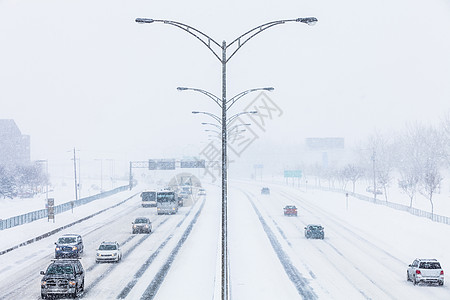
(224, 174)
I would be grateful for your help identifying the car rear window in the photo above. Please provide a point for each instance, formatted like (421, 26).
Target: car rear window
(429, 265)
(315, 227)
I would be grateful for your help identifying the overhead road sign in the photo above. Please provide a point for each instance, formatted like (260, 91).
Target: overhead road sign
(192, 163)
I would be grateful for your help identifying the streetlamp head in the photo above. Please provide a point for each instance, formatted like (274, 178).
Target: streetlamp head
(268, 89)
(253, 112)
(180, 88)
(195, 112)
(309, 20)
(144, 20)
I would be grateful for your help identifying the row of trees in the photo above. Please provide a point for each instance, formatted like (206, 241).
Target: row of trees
(417, 158)
(22, 181)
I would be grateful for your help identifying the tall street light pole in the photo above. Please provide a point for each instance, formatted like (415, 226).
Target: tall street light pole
(220, 52)
(101, 173)
(46, 179)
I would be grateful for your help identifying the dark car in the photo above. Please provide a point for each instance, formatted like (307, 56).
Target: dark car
(69, 245)
(290, 210)
(142, 224)
(64, 277)
(313, 231)
(265, 191)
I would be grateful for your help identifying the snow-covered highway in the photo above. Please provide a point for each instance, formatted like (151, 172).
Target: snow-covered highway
(364, 255)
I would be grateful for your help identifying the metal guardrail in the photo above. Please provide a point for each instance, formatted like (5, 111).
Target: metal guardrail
(43, 213)
(411, 210)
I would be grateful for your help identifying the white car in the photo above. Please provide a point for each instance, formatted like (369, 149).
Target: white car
(108, 252)
(425, 270)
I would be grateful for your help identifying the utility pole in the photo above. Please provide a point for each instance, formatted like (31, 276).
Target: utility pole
(75, 175)
(374, 178)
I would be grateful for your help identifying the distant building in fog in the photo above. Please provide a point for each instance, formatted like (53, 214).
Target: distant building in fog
(14, 146)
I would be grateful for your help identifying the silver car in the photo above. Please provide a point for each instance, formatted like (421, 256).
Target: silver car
(141, 224)
(425, 270)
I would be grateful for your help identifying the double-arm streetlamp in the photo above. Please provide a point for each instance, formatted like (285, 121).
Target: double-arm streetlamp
(220, 52)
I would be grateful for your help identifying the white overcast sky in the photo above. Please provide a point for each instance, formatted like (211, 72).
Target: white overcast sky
(84, 74)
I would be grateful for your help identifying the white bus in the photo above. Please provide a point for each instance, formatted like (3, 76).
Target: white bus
(148, 198)
(166, 202)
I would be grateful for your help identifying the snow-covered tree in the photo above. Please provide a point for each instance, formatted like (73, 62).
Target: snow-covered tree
(353, 173)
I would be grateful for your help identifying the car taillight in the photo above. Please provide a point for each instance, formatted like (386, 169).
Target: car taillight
(417, 271)
(442, 272)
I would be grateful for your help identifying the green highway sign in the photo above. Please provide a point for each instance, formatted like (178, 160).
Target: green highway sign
(293, 173)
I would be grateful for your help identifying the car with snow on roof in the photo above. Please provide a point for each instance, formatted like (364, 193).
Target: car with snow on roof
(314, 231)
(425, 270)
(69, 245)
(63, 277)
(141, 224)
(108, 252)
(290, 210)
(265, 191)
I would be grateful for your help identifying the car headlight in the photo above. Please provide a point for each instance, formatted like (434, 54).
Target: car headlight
(44, 283)
(57, 248)
(72, 283)
(98, 254)
(134, 226)
(74, 248)
(146, 226)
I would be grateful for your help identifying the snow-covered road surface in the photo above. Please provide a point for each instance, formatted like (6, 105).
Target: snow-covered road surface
(364, 255)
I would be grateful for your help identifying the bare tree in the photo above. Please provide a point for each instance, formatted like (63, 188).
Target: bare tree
(378, 161)
(352, 173)
(433, 156)
(409, 159)
(431, 181)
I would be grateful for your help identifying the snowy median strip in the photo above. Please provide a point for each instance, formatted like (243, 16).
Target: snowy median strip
(301, 284)
(156, 283)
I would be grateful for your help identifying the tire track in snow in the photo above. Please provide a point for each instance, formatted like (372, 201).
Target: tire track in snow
(332, 219)
(300, 283)
(152, 289)
(124, 293)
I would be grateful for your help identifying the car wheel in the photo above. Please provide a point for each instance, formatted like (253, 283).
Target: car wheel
(407, 276)
(43, 296)
(82, 286)
(441, 282)
(414, 280)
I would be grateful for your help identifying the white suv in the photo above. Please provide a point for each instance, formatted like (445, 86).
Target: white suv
(108, 251)
(425, 270)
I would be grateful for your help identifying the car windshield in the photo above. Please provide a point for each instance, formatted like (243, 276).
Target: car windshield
(107, 247)
(59, 269)
(141, 220)
(315, 227)
(429, 265)
(67, 240)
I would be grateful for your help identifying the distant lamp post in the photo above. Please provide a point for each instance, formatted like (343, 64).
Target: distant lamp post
(46, 179)
(101, 173)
